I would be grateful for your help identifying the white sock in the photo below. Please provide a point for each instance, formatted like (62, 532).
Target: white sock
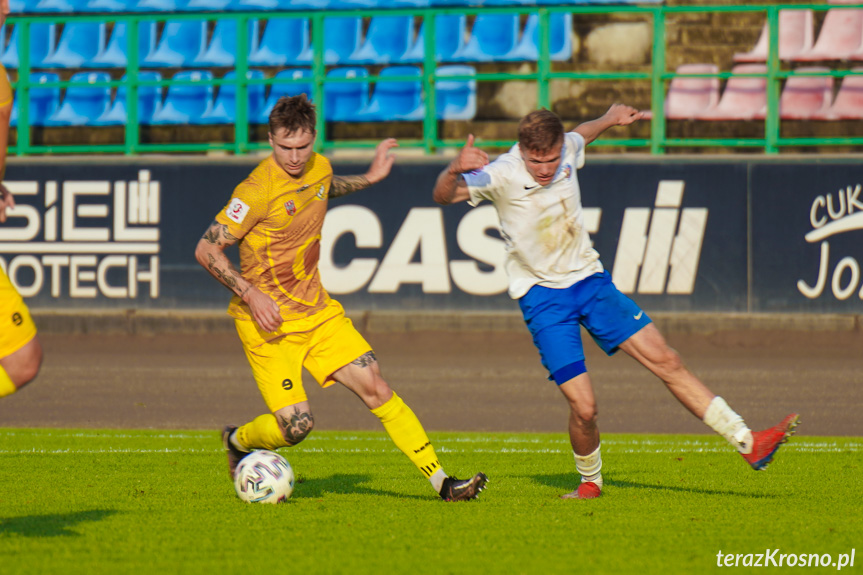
(590, 467)
(437, 479)
(236, 442)
(724, 421)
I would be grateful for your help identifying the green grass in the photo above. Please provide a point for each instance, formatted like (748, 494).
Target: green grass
(85, 501)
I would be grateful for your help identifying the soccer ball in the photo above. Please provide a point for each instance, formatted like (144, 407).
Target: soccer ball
(264, 477)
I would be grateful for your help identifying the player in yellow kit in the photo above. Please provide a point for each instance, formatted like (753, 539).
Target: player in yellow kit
(285, 319)
(20, 350)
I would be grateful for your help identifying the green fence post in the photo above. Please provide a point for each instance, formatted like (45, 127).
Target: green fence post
(657, 84)
(241, 125)
(318, 72)
(771, 122)
(544, 66)
(24, 79)
(429, 86)
(133, 133)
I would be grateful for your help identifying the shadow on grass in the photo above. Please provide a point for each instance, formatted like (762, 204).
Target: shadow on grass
(54, 525)
(343, 484)
(569, 481)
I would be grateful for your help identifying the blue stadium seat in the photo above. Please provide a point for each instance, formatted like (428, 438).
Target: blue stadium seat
(279, 90)
(43, 101)
(344, 100)
(395, 99)
(455, 99)
(224, 110)
(207, 5)
(493, 37)
(222, 48)
(159, 5)
(79, 43)
(285, 41)
(114, 53)
(187, 104)
(109, 6)
(342, 37)
(82, 103)
(560, 41)
(149, 102)
(450, 31)
(182, 41)
(70, 6)
(43, 41)
(387, 40)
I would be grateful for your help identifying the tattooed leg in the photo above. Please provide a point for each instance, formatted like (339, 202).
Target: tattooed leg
(295, 424)
(365, 359)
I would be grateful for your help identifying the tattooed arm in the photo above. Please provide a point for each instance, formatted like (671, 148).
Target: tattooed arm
(380, 169)
(210, 253)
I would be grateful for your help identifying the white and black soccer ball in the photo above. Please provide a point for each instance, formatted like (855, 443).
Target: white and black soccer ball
(264, 477)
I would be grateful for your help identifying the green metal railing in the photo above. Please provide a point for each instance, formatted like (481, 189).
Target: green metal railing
(658, 76)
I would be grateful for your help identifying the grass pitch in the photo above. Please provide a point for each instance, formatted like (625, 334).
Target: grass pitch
(87, 501)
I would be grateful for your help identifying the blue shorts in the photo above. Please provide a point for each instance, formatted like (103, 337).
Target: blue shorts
(555, 316)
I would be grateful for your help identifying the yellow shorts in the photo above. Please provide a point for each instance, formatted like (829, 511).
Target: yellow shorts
(278, 362)
(16, 325)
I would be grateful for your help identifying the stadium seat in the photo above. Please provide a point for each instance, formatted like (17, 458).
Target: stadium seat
(285, 41)
(743, 98)
(493, 37)
(224, 109)
(387, 40)
(805, 97)
(109, 6)
(848, 104)
(222, 48)
(279, 90)
(840, 37)
(450, 32)
(189, 103)
(795, 37)
(455, 99)
(43, 101)
(182, 41)
(395, 99)
(79, 43)
(341, 38)
(68, 6)
(560, 41)
(114, 53)
(43, 41)
(207, 5)
(344, 100)
(149, 102)
(689, 97)
(83, 103)
(159, 5)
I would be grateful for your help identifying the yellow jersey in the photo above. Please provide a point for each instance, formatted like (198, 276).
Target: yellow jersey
(5, 88)
(279, 221)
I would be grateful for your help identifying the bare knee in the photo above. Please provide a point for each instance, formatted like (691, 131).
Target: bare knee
(667, 363)
(584, 414)
(23, 365)
(295, 424)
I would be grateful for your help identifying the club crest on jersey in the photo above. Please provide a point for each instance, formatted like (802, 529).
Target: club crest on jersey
(290, 207)
(567, 172)
(320, 193)
(237, 210)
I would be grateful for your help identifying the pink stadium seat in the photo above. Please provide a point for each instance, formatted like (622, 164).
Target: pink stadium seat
(840, 37)
(743, 98)
(848, 104)
(795, 37)
(688, 97)
(805, 97)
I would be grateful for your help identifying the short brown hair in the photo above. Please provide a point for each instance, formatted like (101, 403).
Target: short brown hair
(540, 131)
(294, 114)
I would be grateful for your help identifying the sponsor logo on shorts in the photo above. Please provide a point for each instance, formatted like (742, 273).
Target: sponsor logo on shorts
(17, 319)
(287, 384)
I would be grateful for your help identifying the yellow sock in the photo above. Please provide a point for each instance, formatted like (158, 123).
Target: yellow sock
(262, 433)
(408, 434)
(6, 385)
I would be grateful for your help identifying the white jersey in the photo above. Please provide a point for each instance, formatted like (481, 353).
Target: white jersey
(543, 226)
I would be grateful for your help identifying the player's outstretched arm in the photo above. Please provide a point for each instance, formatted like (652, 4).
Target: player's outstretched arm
(380, 169)
(450, 187)
(210, 253)
(617, 115)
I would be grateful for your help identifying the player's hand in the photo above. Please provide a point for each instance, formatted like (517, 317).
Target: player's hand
(623, 115)
(265, 311)
(6, 202)
(383, 161)
(469, 158)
